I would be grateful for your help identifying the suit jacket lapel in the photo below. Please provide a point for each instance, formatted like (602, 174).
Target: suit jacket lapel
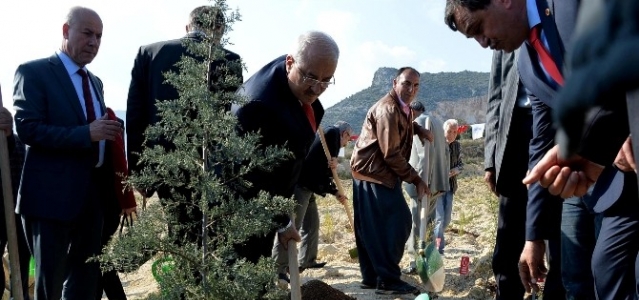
(60, 72)
(550, 31)
(531, 75)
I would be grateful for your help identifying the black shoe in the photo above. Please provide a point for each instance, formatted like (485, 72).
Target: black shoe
(316, 265)
(284, 277)
(367, 286)
(399, 288)
(410, 270)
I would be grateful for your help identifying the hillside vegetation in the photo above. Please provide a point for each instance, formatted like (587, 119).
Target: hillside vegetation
(459, 95)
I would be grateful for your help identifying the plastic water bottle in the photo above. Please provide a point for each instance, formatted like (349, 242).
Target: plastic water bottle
(423, 296)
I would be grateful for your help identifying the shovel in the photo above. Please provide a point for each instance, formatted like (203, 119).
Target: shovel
(351, 252)
(293, 269)
(430, 265)
(9, 214)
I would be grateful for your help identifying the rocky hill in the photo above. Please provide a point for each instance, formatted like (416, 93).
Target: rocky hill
(459, 95)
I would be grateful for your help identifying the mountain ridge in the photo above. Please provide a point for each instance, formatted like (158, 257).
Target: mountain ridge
(460, 95)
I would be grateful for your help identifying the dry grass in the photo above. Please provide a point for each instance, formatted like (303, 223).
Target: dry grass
(472, 233)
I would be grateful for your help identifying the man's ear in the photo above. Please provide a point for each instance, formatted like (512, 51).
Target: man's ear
(65, 31)
(289, 62)
(504, 3)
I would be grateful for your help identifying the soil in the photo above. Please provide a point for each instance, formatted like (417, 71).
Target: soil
(319, 290)
(340, 278)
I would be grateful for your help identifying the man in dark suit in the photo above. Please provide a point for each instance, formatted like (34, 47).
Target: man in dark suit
(603, 47)
(508, 132)
(548, 32)
(316, 178)
(148, 86)
(16, 159)
(282, 105)
(544, 28)
(68, 176)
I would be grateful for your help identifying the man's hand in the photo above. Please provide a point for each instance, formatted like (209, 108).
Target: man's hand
(341, 198)
(425, 134)
(625, 160)
(333, 163)
(422, 189)
(6, 121)
(490, 179)
(531, 264)
(104, 129)
(566, 178)
(290, 234)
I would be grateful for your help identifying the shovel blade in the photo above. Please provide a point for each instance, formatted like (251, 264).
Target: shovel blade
(430, 268)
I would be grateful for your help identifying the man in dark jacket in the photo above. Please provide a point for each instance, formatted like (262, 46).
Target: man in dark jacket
(316, 178)
(148, 86)
(282, 106)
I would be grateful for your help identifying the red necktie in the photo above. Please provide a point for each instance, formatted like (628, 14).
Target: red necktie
(88, 99)
(88, 103)
(544, 55)
(310, 114)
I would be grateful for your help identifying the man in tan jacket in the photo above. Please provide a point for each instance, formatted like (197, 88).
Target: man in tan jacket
(379, 164)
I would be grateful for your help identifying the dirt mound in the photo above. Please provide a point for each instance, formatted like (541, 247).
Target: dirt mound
(318, 290)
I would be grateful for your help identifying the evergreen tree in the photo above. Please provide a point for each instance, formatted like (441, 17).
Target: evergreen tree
(210, 159)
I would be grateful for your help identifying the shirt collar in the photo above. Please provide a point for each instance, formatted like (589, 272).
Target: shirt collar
(69, 64)
(533, 13)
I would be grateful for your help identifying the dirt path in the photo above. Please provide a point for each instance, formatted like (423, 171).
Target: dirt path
(471, 234)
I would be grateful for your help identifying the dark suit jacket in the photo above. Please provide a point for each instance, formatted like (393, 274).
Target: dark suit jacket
(544, 211)
(503, 90)
(148, 86)
(50, 121)
(278, 115)
(603, 75)
(316, 175)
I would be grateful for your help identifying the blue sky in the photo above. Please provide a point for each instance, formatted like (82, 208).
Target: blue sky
(370, 34)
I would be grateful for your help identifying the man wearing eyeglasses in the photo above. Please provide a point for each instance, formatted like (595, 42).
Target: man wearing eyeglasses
(282, 106)
(380, 164)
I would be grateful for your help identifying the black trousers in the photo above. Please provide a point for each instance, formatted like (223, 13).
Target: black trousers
(511, 224)
(382, 226)
(110, 282)
(615, 256)
(185, 224)
(61, 248)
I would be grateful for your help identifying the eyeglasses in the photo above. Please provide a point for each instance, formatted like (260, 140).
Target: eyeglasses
(314, 82)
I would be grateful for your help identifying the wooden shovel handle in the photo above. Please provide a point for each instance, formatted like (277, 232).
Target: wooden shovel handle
(10, 217)
(293, 270)
(338, 183)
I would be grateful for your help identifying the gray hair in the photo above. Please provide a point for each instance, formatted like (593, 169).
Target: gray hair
(74, 12)
(315, 40)
(343, 127)
(450, 122)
